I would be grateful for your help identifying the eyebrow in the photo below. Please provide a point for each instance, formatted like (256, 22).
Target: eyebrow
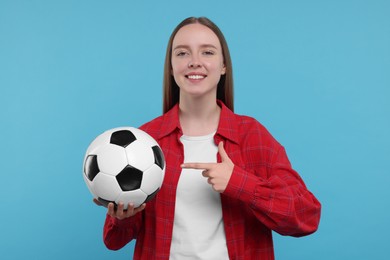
(183, 46)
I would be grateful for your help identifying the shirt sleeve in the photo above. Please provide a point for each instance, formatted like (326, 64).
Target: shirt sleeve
(117, 233)
(275, 193)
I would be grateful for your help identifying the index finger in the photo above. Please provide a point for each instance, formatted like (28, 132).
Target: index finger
(200, 166)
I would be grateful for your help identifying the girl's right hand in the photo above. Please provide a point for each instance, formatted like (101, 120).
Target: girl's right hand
(121, 213)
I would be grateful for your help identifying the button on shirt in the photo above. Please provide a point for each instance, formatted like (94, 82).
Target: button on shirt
(264, 193)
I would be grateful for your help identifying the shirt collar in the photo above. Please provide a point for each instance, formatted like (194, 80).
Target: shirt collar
(228, 125)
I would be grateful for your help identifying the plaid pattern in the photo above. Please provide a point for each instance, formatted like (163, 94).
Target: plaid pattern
(264, 193)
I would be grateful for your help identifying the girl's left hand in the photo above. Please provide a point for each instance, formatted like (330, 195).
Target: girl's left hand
(217, 174)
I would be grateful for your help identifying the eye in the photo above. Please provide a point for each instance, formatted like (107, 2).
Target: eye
(181, 53)
(208, 52)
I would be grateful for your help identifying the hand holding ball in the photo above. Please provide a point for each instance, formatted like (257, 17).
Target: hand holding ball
(124, 165)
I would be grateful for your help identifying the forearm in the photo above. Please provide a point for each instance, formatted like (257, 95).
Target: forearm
(281, 202)
(117, 233)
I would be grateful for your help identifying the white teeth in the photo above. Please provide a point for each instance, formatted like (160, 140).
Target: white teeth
(195, 77)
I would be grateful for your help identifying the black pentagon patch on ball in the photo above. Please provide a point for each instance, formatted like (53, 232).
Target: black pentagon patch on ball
(122, 138)
(151, 196)
(158, 157)
(129, 178)
(91, 168)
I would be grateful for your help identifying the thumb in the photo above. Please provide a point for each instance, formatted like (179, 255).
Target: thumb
(222, 152)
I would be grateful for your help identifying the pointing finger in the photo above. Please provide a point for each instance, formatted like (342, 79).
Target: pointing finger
(200, 166)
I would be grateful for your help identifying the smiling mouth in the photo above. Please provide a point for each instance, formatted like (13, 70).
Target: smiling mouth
(195, 76)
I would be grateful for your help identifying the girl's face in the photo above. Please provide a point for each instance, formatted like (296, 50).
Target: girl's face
(197, 60)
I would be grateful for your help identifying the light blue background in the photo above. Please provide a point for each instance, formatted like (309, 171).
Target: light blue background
(315, 73)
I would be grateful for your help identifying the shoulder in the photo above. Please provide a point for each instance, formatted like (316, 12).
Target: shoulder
(245, 123)
(251, 130)
(163, 125)
(153, 127)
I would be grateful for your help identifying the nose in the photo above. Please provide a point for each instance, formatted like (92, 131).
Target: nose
(194, 63)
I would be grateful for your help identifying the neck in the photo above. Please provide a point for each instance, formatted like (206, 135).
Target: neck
(199, 117)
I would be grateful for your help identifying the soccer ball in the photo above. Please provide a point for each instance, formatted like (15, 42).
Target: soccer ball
(124, 164)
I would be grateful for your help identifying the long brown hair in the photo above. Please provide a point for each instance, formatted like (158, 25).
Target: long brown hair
(225, 84)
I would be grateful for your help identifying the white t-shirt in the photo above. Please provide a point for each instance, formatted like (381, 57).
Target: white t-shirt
(198, 231)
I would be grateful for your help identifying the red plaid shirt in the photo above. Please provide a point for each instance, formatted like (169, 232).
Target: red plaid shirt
(263, 194)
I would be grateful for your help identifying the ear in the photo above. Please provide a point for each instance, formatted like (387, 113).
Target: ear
(223, 71)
